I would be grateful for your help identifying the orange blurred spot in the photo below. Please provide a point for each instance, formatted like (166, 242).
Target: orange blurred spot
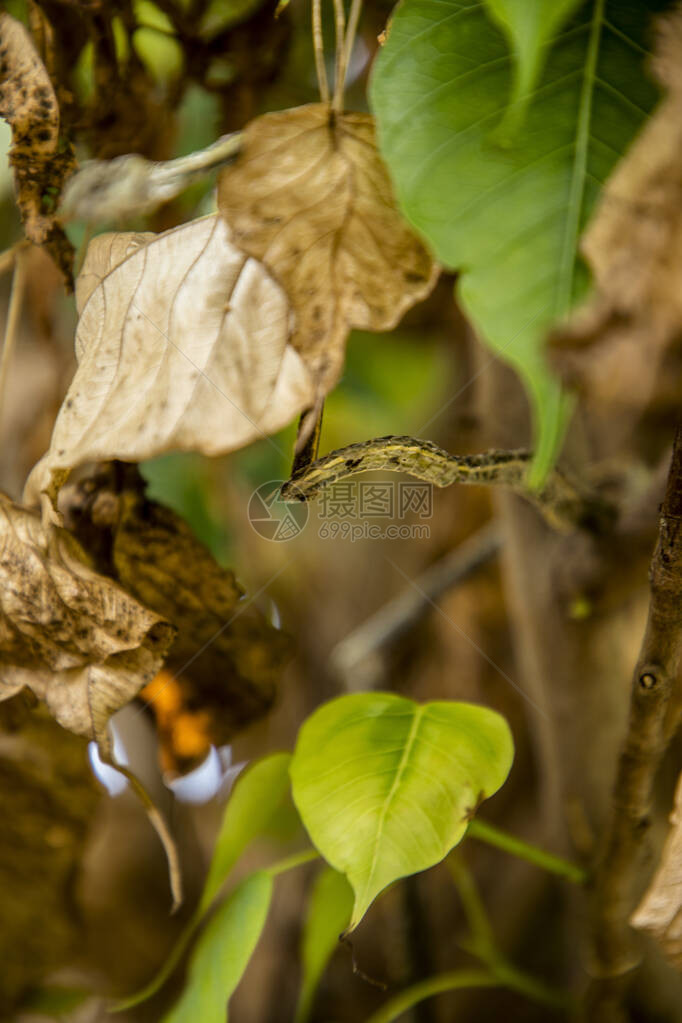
(184, 735)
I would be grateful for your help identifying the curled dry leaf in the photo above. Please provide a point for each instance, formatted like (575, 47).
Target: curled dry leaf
(660, 911)
(28, 103)
(222, 670)
(182, 344)
(310, 196)
(73, 637)
(618, 350)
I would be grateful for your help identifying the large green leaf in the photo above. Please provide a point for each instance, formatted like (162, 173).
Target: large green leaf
(223, 953)
(329, 910)
(509, 217)
(385, 786)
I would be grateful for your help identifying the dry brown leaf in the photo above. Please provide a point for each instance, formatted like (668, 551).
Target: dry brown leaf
(76, 639)
(28, 103)
(222, 670)
(182, 344)
(310, 196)
(614, 349)
(660, 911)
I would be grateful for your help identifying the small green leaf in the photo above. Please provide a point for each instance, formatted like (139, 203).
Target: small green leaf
(223, 14)
(155, 43)
(254, 803)
(385, 787)
(509, 217)
(223, 953)
(256, 797)
(329, 910)
(529, 27)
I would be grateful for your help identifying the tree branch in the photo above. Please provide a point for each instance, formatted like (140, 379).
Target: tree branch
(614, 953)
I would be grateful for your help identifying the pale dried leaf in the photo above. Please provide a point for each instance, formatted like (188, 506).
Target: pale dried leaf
(310, 196)
(660, 911)
(104, 254)
(76, 639)
(617, 349)
(29, 104)
(182, 344)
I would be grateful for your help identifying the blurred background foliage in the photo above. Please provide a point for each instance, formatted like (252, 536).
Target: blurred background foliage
(165, 79)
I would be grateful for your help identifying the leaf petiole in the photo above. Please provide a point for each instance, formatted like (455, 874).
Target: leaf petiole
(486, 832)
(290, 862)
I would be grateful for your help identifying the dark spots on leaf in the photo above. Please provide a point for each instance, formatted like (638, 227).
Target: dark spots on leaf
(351, 463)
(414, 278)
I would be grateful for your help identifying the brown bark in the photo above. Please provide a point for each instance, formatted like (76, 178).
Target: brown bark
(614, 950)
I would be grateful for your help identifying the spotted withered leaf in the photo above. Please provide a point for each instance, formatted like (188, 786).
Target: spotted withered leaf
(223, 669)
(82, 644)
(310, 196)
(40, 163)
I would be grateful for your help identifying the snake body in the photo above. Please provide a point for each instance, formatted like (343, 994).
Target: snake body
(561, 502)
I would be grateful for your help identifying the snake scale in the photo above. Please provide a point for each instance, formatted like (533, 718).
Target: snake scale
(562, 502)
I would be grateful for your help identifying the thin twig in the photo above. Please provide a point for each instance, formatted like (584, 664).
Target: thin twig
(318, 46)
(401, 613)
(484, 946)
(13, 313)
(515, 846)
(340, 72)
(482, 932)
(353, 19)
(614, 953)
(157, 821)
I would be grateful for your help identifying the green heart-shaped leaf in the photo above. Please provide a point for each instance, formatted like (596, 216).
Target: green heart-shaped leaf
(386, 787)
